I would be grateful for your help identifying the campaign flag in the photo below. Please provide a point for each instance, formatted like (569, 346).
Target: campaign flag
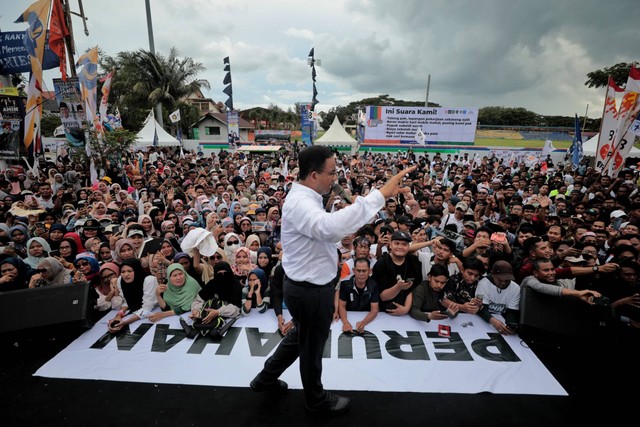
(155, 138)
(106, 90)
(635, 126)
(608, 126)
(88, 77)
(547, 149)
(420, 137)
(37, 15)
(576, 146)
(629, 108)
(58, 31)
(175, 116)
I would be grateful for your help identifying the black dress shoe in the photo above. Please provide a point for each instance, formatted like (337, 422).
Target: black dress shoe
(278, 387)
(332, 404)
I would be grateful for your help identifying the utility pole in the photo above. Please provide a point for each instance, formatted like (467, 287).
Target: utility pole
(152, 49)
(69, 41)
(426, 101)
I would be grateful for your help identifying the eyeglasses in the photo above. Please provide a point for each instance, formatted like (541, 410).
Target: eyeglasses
(65, 247)
(108, 277)
(83, 263)
(332, 173)
(41, 270)
(217, 257)
(233, 242)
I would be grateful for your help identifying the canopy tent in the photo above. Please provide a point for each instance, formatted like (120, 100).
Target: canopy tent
(589, 148)
(336, 136)
(148, 132)
(261, 148)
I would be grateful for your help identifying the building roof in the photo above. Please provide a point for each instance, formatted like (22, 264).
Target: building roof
(222, 118)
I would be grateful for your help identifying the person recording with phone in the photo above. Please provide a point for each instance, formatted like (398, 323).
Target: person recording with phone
(392, 272)
(428, 295)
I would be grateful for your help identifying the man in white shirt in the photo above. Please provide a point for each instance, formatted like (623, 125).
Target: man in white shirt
(309, 232)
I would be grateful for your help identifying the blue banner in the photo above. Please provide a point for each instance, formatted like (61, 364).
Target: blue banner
(306, 122)
(14, 57)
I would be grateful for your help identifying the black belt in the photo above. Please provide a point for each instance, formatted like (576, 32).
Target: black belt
(309, 284)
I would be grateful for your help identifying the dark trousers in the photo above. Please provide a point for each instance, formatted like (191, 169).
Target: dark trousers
(311, 307)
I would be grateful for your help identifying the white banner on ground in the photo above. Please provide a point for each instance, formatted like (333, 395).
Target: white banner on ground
(396, 354)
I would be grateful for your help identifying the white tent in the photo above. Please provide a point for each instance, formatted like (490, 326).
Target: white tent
(147, 134)
(336, 136)
(589, 148)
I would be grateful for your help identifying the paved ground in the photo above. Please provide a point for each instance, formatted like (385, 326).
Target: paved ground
(591, 374)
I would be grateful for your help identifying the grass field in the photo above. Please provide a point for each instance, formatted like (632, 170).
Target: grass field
(499, 142)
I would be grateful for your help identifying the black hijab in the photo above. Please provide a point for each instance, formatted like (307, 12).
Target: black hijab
(224, 285)
(134, 291)
(24, 274)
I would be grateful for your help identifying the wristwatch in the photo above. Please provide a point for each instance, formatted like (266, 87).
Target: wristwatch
(595, 268)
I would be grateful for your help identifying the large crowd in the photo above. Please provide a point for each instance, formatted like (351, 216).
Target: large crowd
(466, 238)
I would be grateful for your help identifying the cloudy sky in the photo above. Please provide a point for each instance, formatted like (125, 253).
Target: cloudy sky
(512, 53)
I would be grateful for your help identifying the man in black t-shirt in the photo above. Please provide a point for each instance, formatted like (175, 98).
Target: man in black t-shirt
(358, 293)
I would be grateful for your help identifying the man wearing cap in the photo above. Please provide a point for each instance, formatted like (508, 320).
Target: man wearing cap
(397, 273)
(500, 295)
(309, 288)
(456, 218)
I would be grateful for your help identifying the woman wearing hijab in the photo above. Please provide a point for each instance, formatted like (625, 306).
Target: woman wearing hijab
(105, 254)
(147, 226)
(56, 234)
(138, 292)
(76, 237)
(223, 293)
(265, 260)
(19, 236)
(189, 266)
(109, 296)
(124, 250)
(37, 250)
(92, 244)
(242, 265)
(177, 295)
(14, 274)
(89, 267)
(68, 249)
(222, 210)
(256, 293)
(231, 244)
(58, 182)
(50, 272)
(237, 219)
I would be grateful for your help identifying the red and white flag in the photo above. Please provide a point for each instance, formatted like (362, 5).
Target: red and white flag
(623, 139)
(608, 126)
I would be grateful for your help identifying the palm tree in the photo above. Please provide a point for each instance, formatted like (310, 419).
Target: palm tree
(146, 79)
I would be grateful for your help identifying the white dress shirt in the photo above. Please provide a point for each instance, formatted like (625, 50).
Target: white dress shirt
(309, 233)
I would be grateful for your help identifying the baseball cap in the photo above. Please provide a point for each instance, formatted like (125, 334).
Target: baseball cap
(617, 214)
(401, 235)
(135, 232)
(404, 219)
(251, 209)
(462, 206)
(502, 270)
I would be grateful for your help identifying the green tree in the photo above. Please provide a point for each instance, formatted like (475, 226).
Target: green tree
(48, 124)
(108, 149)
(144, 79)
(619, 73)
